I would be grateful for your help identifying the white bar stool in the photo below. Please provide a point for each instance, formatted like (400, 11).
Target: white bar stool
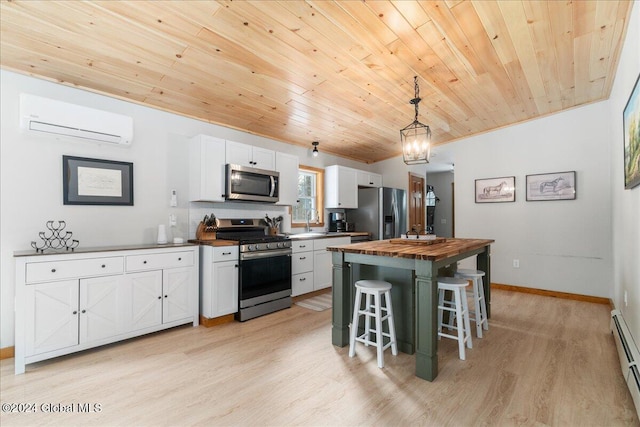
(377, 312)
(457, 306)
(480, 306)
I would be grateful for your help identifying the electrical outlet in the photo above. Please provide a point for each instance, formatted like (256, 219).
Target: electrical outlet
(173, 221)
(516, 263)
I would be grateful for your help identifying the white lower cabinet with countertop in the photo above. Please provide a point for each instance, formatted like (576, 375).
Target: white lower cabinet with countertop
(311, 267)
(301, 267)
(68, 302)
(322, 266)
(218, 280)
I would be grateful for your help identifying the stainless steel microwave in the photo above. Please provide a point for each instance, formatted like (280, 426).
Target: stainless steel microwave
(251, 184)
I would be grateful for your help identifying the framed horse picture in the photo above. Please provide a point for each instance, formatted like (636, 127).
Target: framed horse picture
(496, 190)
(551, 186)
(631, 122)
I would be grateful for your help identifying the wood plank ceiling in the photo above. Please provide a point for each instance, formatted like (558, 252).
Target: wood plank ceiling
(339, 72)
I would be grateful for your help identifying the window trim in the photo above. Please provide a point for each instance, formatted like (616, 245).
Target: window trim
(319, 196)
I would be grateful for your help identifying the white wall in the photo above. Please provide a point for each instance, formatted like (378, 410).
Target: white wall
(561, 245)
(31, 178)
(625, 203)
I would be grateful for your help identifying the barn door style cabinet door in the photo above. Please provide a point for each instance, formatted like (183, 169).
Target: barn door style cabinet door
(68, 302)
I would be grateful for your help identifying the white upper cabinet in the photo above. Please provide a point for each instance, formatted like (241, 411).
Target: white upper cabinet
(287, 165)
(369, 179)
(248, 155)
(341, 187)
(206, 169)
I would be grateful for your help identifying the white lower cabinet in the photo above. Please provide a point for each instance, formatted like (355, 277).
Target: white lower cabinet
(75, 301)
(53, 311)
(311, 265)
(218, 281)
(103, 302)
(177, 295)
(145, 308)
(322, 270)
(301, 267)
(322, 265)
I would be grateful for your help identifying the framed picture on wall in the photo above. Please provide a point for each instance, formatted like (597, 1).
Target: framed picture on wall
(631, 123)
(551, 186)
(496, 190)
(96, 182)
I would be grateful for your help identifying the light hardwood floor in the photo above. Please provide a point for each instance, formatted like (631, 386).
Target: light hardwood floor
(544, 361)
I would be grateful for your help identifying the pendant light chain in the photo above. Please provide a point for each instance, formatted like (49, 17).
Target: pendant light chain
(416, 137)
(416, 100)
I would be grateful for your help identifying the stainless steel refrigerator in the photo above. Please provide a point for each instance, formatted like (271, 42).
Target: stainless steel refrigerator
(381, 211)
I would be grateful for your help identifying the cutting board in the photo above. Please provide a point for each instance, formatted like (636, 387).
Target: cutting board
(418, 242)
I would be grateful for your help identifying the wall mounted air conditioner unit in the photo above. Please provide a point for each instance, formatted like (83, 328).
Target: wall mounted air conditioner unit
(628, 354)
(48, 116)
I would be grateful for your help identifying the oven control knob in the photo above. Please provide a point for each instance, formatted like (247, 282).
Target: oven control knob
(268, 246)
(280, 245)
(251, 248)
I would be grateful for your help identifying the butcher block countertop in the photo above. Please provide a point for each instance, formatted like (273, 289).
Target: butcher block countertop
(431, 252)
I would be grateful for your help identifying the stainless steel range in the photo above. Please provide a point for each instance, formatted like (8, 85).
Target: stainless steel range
(264, 267)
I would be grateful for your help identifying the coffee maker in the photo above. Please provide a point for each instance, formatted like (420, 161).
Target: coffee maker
(337, 222)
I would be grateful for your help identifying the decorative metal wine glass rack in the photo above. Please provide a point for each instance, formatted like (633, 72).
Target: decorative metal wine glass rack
(55, 239)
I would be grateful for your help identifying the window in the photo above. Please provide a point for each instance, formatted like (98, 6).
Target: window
(310, 198)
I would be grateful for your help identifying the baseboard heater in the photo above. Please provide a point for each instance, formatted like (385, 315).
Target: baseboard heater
(628, 354)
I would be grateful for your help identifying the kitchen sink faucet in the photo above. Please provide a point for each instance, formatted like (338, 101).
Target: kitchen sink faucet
(307, 227)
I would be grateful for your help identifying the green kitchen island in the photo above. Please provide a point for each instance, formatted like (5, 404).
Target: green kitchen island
(413, 270)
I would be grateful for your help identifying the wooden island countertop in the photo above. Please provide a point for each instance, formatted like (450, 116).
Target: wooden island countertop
(431, 252)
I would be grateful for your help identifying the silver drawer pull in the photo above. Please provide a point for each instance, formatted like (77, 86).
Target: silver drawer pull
(226, 253)
(103, 265)
(303, 257)
(303, 246)
(53, 270)
(302, 279)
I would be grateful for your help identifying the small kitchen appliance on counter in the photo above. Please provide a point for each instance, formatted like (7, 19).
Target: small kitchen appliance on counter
(337, 222)
(264, 266)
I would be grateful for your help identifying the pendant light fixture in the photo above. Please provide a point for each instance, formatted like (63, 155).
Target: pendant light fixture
(315, 148)
(416, 138)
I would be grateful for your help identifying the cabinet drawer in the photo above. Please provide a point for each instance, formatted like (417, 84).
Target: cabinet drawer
(225, 253)
(301, 283)
(159, 261)
(301, 262)
(60, 270)
(301, 245)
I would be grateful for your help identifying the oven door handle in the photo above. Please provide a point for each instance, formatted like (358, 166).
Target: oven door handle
(265, 254)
